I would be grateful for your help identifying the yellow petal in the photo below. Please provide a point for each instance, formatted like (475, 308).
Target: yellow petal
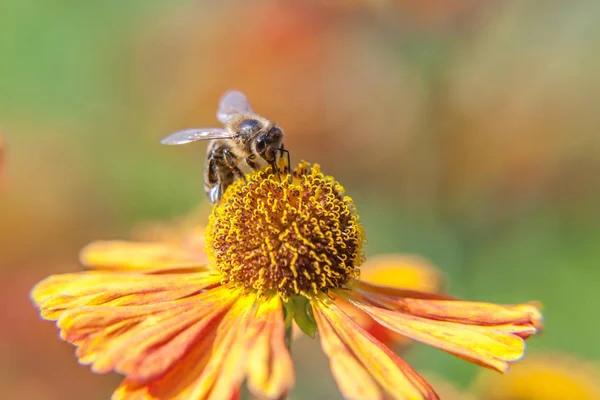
(177, 382)
(402, 272)
(381, 333)
(244, 344)
(138, 325)
(475, 313)
(398, 272)
(388, 294)
(225, 372)
(270, 368)
(147, 257)
(212, 369)
(58, 293)
(362, 366)
(494, 343)
(354, 380)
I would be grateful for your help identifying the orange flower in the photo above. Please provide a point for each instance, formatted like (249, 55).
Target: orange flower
(279, 250)
(543, 377)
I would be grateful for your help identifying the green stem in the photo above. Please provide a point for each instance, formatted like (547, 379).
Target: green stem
(288, 344)
(288, 337)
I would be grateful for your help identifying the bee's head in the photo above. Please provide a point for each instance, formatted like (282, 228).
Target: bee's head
(267, 144)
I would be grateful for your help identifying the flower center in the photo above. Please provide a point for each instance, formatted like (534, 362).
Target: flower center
(295, 235)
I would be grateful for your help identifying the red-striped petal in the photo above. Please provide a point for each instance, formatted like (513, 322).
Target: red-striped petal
(362, 366)
(487, 334)
(138, 325)
(269, 366)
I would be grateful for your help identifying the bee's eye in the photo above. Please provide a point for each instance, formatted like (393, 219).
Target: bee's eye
(249, 126)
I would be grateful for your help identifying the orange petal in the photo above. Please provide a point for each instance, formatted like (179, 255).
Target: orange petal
(138, 328)
(59, 293)
(243, 343)
(212, 369)
(395, 271)
(270, 368)
(389, 294)
(147, 257)
(362, 367)
(475, 313)
(401, 272)
(225, 371)
(381, 333)
(490, 340)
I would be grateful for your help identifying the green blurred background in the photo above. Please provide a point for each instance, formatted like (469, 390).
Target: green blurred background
(466, 131)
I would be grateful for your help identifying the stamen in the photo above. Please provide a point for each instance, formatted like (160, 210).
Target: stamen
(293, 236)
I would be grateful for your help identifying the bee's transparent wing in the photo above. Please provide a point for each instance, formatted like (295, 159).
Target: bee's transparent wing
(232, 104)
(192, 135)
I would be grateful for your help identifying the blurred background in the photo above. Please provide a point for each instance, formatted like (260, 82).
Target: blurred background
(466, 131)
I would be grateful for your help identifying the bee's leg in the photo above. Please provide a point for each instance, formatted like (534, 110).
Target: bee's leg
(251, 163)
(229, 160)
(212, 185)
(283, 151)
(275, 170)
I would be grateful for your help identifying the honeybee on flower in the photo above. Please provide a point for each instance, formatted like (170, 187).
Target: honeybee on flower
(278, 251)
(184, 323)
(247, 137)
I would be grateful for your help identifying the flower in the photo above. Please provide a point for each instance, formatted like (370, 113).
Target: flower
(280, 249)
(544, 376)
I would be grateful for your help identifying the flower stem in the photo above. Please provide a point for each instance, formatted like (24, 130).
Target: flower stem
(288, 337)
(288, 344)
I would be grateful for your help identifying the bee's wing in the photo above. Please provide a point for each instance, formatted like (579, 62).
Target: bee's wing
(232, 104)
(192, 135)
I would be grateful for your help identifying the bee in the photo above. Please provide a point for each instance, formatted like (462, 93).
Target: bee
(246, 137)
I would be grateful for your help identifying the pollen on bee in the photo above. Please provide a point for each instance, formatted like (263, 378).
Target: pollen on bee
(294, 235)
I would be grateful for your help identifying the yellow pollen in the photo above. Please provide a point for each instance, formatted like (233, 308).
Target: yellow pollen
(295, 234)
